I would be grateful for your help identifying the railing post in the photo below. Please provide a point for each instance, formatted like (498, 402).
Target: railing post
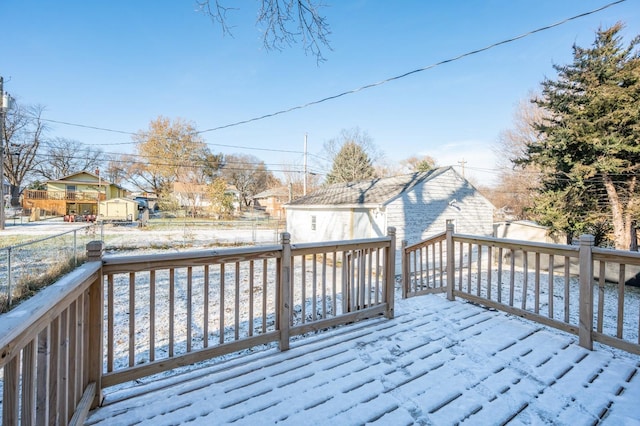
(391, 273)
(75, 247)
(95, 325)
(585, 327)
(405, 269)
(94, 251)
(9, 289)
(450, 261)
(285, 292)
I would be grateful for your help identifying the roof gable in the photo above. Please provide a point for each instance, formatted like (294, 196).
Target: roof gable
(376, 191)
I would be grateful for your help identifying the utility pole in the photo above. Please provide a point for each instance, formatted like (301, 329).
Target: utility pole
(462, 163)
(2, 113)
(5, 105)
(304, 185)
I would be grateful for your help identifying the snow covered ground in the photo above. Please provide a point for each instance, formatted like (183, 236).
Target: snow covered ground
(437, 362)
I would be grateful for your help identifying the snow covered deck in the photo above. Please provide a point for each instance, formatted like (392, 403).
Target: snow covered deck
(437, 362)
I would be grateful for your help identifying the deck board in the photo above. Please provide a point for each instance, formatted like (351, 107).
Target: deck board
(437, 362)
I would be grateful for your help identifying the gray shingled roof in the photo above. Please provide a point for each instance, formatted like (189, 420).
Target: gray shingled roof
(376, 191)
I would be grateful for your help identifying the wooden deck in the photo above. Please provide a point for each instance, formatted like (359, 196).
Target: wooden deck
(437, 362)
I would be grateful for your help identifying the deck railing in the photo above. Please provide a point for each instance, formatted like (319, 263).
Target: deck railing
(126, 317)
(37, 194)
(578, 289)
(51, 350)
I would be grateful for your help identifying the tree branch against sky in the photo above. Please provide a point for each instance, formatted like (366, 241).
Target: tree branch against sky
(283, 22)
(61, 157)
(23, 134)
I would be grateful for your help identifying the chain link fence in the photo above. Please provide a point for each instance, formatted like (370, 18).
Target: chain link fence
(27, 267)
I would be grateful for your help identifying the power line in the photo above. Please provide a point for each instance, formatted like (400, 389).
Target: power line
(367, 86)
(406, 74)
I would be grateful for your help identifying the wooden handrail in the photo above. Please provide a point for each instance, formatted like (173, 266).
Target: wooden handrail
(474, 268)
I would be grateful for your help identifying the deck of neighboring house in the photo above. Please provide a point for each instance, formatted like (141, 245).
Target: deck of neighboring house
(437, 362)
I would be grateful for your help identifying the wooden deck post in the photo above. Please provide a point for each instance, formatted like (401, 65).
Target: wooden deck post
(285, 292)
(405, 269)
(95, 326)
(391, 273)
(450, 261)
(585, 326)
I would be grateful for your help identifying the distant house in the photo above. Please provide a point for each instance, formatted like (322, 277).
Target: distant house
(272, 201)
(196, 198)
(417, 205)
(75, 194)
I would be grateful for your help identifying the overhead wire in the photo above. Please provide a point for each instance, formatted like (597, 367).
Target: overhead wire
(366, 86)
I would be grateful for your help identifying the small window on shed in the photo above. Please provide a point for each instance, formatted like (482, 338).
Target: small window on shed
(313, 223)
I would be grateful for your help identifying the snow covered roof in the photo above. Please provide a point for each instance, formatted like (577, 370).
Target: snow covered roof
(437, 362)
(374, 192)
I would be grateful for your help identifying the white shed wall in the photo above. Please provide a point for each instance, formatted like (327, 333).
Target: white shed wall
(331, 224)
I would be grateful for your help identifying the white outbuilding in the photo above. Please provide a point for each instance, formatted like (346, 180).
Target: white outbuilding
(417, 205)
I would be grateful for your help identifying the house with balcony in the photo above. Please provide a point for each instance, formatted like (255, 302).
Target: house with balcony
(76, 194)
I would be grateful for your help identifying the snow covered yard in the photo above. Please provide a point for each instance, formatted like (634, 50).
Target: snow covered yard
(437, 362)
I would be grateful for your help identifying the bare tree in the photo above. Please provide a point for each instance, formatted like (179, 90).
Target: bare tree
(249, 175)
(63, 156)
(513, 193)
(285, 22)
(23, 133)
(115, 169)
(294, 178)
(416, 163)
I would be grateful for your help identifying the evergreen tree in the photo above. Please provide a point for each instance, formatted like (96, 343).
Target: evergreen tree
(350, 164)
(589, 146)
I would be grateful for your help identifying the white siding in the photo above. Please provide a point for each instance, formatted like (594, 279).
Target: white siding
(425, 210)
(416, 214)
(331, 223)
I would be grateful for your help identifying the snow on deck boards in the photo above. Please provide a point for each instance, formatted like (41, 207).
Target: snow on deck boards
(437, 362)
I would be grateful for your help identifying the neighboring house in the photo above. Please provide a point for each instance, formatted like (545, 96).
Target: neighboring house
(77, 193)
(195, 197)
(272, 201)
(417, 205)
(191, 196)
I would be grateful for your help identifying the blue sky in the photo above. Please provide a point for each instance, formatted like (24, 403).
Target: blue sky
(120, 64)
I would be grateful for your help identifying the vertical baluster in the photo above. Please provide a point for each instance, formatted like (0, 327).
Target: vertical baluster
(264, 296)
(619, 328)
(551, 282)
(500, 275)
(512, 276)
(251, 302)
(221, 313)
(601, 282)
(110, 322)
(152, 315)
(314, 283)
(489, 270)
(189, 308)
(567, 293)
(525, 278)
(236, 325)
(132, 318)
(537, 284)
(172, 310)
